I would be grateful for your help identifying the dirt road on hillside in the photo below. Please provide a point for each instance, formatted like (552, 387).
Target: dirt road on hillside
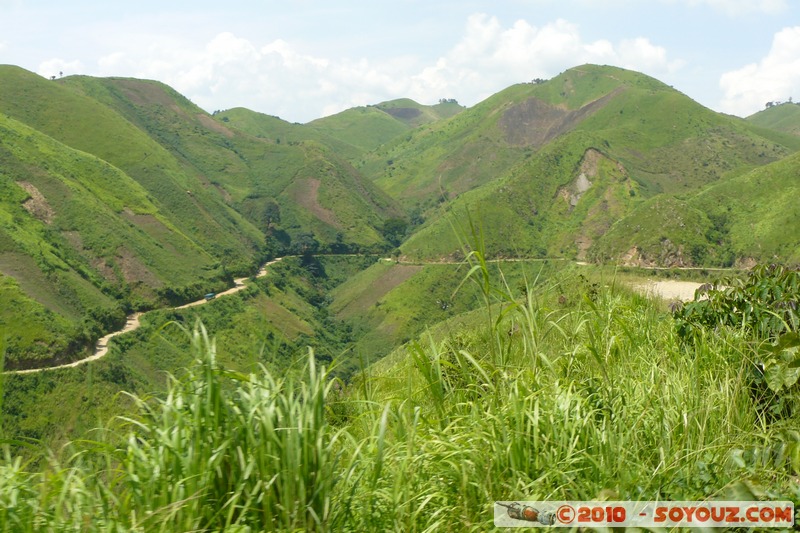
(669, 290)
(133, 322)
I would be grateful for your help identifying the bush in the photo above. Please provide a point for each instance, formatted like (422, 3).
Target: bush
(766, 304)
(765, 307)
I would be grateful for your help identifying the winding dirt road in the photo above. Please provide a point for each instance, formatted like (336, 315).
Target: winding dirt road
(667, 289)
(132, 323)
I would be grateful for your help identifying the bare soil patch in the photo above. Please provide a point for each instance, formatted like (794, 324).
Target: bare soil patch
(404, 113)
(669, 290)
(535, 122)
(213, 125)
(307, 195)
(37, 204)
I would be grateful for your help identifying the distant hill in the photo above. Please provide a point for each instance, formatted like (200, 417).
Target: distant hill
(351, 133)
(783, 117)
(548, 168)
(292, 190)
(85, 122)
(415, 115)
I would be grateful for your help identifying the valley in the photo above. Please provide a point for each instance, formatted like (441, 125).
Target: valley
(367, 321)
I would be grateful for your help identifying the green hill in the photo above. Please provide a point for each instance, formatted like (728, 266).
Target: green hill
(351, 133)
(548, 168)
(504, 379)
(80, 242)
(744, 219)
(289, 190)
(62, 111)
(364, 128)
(783, 117)
(166, 201)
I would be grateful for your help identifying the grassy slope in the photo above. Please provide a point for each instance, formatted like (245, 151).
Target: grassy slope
(762, 208)
(364, 128)
(414, 114)
(351, 133)
(330, 197)
(279, 131)
(63, 112)
(120, 194)
(784, 117)
(443, 159)
(79, 235)
(745, 217)
(389, 303)
(272, 323)
(307, 180)
(86, 238)
(589, 395)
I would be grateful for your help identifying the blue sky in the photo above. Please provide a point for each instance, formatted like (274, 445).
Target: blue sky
(303, 59)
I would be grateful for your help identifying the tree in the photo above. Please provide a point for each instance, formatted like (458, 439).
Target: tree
(305, 244)
(394, 230)
(272, 213)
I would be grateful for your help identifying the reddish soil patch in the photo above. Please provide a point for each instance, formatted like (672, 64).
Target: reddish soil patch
(535, 122)
(307, 195)
(37, 205)
(143, 92)
(213, 125)
(134, 270)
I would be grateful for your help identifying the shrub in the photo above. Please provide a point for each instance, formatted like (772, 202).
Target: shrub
(765, 307)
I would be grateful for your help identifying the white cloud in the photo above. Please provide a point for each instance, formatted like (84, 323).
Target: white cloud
(740, 7)
(278, 77)
(57, 66)
(641, 54)
(490, 57)
(775, 77)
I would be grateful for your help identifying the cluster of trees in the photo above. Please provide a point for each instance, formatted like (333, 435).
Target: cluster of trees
(778, 102)
(448, 101)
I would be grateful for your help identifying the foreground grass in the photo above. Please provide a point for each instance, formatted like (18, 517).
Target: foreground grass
(578, 392)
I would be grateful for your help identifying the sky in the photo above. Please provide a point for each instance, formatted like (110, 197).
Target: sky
(305, 59)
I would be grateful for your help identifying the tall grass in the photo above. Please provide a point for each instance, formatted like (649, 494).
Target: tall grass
(570, 392)
(221, 450)
(595, 400)
(225, 449)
